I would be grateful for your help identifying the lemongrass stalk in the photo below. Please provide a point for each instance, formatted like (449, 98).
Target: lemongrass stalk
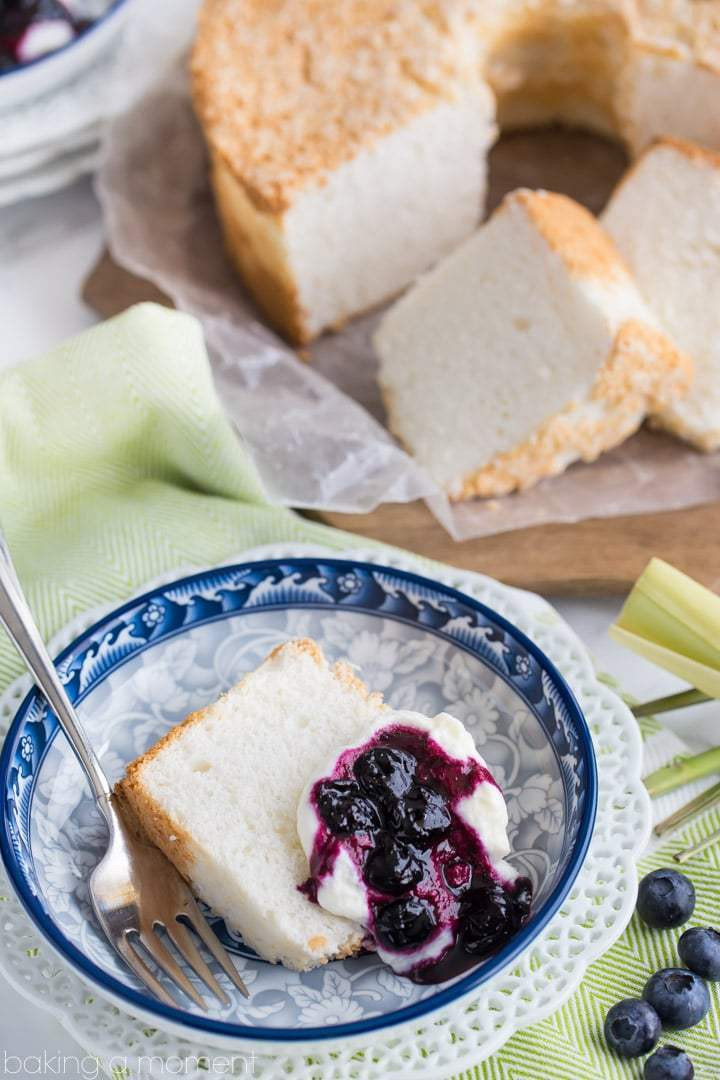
(674, 622)
(688, 853)
(706, 801)
(669, 703)
(682, 770)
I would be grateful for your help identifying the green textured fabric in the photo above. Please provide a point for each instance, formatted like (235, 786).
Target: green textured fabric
(117, 464)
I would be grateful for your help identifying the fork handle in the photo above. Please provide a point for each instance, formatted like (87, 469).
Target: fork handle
(16, 617)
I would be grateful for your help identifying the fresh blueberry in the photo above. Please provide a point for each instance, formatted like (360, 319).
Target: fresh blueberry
(666, 898)
(632, 1028)
(486, 919)
(393, 866)
(385, 771)
(668, 1063)
(421, 815)
(699, 950)
(345, 809)
(679, 997)
(404, 924)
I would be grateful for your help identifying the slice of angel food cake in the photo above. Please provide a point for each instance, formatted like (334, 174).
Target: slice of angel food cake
(528, 348)
(664, 216)
(318, 822)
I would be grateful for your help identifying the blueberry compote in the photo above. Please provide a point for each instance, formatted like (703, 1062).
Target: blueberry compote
(436, 903)
(31, 28)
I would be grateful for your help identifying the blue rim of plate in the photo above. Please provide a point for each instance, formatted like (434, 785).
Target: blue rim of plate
(340, 568)
(94, 25)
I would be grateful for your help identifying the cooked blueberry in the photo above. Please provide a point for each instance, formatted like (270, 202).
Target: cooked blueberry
(679, 997)
(404, 923)
(668, 1063)
(699, 950)
(422, 814)
(393, 866)
(486, 919)
(522, 900)
(632, 1028)
(385, 771)
(458, 875)
(666, 898)
(345, 809)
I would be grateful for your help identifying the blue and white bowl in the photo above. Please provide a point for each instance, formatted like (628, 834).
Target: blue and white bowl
(45, 74)
(424, 645)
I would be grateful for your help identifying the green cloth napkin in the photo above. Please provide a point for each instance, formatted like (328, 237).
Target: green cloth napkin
(116, 465)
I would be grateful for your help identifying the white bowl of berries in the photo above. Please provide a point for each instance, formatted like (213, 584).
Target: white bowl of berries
(46, 43)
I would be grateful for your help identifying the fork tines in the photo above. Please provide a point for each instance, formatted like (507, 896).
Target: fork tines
(183, 941)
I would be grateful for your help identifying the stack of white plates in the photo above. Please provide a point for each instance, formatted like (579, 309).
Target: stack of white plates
(52, 111)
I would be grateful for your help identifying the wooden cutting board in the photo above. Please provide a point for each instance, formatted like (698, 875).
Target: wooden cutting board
(596, 556)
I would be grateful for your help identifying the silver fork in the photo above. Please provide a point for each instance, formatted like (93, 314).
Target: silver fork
(134, 888)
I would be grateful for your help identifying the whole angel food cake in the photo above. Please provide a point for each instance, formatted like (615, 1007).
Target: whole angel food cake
(348, 141)
(527, 348)
(318, 821)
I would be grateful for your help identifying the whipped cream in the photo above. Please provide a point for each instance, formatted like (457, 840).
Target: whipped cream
(443, 749)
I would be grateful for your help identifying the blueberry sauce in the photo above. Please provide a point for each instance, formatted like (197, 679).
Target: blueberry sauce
(30, 28)
(392, 805)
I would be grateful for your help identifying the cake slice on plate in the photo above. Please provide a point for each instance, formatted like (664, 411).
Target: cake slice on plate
(219, 795)
(665, 219)
(526, 349)
(314, 818)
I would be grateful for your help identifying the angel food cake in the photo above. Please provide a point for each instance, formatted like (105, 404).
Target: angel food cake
(348, 141)
(318, 821)
(527, 348)
(665, 219)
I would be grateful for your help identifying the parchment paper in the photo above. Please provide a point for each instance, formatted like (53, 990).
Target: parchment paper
(314, 426)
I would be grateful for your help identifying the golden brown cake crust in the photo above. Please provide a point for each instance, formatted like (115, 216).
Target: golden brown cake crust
(255, 242)
(337, 75)
(573, 233)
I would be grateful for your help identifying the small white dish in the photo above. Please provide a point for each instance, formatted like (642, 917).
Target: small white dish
(42, 76)
(42, 157)
(55, 174)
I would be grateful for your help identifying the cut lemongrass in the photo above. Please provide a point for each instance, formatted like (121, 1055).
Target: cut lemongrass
(674, 622)
(670, 702)
(696, 806)
(683, 770)
(688, 853)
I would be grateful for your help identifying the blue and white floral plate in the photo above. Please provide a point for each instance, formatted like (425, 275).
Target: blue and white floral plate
(423, 644)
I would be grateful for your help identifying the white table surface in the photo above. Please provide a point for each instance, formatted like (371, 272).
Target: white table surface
(47, 247)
